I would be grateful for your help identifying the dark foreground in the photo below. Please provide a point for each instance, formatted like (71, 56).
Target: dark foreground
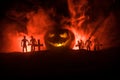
(55, 63)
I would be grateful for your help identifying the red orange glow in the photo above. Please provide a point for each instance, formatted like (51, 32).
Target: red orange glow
(40, 22)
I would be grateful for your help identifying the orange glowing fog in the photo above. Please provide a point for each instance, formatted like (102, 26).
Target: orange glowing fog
(40, 22)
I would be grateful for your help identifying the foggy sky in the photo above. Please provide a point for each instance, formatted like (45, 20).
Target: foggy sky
(61, 8)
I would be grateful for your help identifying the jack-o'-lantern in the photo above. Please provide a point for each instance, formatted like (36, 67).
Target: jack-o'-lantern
(59, 39)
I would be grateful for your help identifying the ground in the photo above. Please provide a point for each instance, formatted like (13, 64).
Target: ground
(63, 62)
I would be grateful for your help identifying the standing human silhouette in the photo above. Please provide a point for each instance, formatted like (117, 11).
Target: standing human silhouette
(24, 44)
(80, 44)
(32, 43)
(88, 44)
(97, 45)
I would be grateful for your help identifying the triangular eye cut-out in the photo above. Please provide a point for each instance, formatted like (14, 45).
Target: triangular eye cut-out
(51, 35)
(64, 35)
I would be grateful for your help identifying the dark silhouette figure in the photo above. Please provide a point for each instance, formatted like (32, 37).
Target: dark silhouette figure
(32, 43)
(88, 44)
(96, 45)
(24, 44)
(80, 44)
(39, 45)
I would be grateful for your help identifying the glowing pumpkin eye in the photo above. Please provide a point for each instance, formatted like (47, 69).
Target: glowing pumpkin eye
(51, 35)
(64, 35)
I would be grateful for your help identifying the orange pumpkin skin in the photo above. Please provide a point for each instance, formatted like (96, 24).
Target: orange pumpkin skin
(59, 39)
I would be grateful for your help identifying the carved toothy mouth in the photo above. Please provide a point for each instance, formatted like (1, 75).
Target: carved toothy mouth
(62, 44)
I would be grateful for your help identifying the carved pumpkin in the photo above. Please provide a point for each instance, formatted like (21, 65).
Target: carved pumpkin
(59, 39)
